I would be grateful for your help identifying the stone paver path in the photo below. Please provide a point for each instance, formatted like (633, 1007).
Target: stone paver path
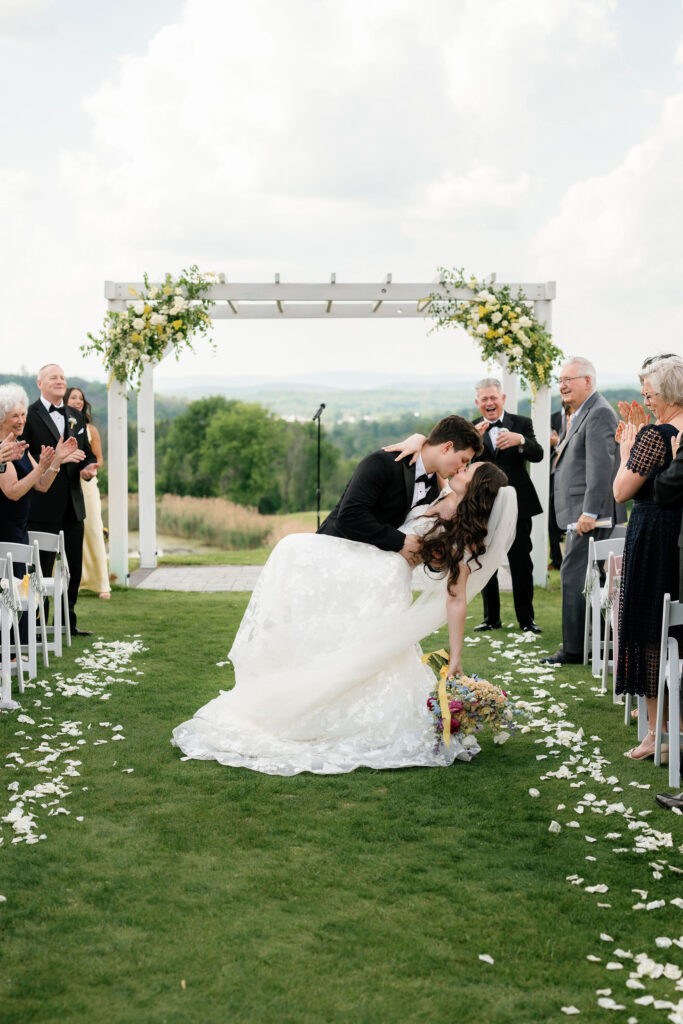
(213, 578)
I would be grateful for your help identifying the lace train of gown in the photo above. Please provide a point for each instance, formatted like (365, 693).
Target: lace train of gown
(327, 663)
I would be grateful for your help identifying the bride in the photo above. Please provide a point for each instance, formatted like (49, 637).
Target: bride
(327, 662)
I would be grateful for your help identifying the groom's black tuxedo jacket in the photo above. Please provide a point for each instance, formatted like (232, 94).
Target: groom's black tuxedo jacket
(513, 462)
(40, 429)
(376, 501)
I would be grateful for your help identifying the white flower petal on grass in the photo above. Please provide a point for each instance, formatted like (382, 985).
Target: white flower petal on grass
(605, 937)
(594, 959)
(485, 958)
(534, 792)
(3, 899)
(633, 983)
(624, 954)
(570, 1010)
(609, 1004)
(597, 888)
(614, 965)
(662, 942)
(554, 827)
(644, 1000)
(678, 902)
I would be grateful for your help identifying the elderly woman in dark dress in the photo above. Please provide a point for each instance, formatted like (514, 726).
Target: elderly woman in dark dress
(23, 473)
(650, 563)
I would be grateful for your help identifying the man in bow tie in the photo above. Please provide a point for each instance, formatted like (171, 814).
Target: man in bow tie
(382, 491)
(62, 507)
(510, 442)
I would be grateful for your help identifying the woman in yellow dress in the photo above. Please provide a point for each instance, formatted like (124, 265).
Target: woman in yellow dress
(95, 570)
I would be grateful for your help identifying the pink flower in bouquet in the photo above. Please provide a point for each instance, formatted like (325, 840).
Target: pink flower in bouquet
(455, 705)
(455, 725)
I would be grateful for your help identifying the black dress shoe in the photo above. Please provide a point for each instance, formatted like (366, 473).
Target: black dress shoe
(531, 627)
(670, 800)
(562, 658)
(483, 626)
(75, 631)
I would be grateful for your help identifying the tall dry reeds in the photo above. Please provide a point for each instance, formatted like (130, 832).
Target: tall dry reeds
(222, 523)
(215, 522)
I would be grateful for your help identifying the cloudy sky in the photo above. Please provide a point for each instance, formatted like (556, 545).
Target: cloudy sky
(539, 139)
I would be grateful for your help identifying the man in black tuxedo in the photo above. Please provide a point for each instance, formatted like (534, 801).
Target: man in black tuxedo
(669, 494)
(382, 491)
(62, 507)
(509, 441)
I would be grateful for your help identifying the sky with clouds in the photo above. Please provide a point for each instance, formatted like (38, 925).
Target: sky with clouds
(540, 140)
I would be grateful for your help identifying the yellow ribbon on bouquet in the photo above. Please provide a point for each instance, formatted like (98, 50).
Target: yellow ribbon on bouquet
(442, 694)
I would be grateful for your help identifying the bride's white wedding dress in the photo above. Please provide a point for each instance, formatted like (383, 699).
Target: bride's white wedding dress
(327, 663)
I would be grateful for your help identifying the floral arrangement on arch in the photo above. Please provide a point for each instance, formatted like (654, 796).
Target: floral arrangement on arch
(156, 317)
(504, 325)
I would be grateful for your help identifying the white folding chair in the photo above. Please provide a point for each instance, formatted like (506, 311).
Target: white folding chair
(10, 610)
(610, 608)
(32, 604)
(598, 551)
(670, 680)
(57, 587)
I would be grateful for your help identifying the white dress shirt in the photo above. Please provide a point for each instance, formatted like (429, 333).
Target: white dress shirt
(420, 488)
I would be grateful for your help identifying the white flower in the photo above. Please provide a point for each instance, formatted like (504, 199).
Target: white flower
(496, 318)
(139, 308)
(156, 319)
(524, 321)
(138, 323)
(482, 329)
(486, 958)
(153, 292)
(554, 827)
(534, 792)
(501, 738)
(517, 350)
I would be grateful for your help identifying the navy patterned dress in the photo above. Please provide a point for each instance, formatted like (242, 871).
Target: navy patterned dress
(649, 568)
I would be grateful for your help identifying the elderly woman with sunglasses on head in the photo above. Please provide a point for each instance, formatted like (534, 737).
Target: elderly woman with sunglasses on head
(650, 564)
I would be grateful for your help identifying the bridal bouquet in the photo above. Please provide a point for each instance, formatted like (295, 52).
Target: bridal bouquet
(465, 705)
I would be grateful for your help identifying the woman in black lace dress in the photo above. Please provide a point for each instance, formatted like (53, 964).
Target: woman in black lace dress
(650, 564)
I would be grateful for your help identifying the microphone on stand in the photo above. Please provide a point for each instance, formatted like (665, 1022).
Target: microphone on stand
(317, 416)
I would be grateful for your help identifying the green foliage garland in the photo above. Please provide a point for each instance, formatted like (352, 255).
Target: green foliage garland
(158, 317)
(504, 326)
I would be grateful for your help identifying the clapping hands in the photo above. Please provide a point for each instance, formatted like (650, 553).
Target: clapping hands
(11, 449)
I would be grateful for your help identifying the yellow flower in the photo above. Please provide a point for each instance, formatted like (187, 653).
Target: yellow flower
(160, 328)
(482, 310)
(148, 309)
(490, 333)
(167, 290)
(177, 324)
(135, 337)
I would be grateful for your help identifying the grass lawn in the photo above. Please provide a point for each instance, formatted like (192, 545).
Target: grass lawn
(193, 892)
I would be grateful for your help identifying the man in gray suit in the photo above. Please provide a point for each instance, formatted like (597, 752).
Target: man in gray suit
(586, 460)
(669, 494)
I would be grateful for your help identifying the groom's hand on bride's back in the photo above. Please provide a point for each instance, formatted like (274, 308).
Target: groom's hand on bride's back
(412, 549)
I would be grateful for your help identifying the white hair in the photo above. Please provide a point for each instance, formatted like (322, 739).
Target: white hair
(585, 365)
(488, 382)
(12, 395)
(666, 377)
(652, 362)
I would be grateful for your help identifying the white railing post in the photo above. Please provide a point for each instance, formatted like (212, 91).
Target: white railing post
(540, 471)
(510, 385)
(118, 482)
(146, 471)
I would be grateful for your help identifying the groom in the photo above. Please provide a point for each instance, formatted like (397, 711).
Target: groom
(381, 492)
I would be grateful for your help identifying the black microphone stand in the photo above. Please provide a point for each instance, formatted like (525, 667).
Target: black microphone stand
(317, 492)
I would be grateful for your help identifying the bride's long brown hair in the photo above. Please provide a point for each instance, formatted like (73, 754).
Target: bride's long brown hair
(444, 545)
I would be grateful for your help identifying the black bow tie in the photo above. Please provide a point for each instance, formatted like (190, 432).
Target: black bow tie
(424, 478)
(57, 408)
(497, 423)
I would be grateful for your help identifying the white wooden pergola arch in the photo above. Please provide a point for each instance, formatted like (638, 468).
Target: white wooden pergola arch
(283, 301)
